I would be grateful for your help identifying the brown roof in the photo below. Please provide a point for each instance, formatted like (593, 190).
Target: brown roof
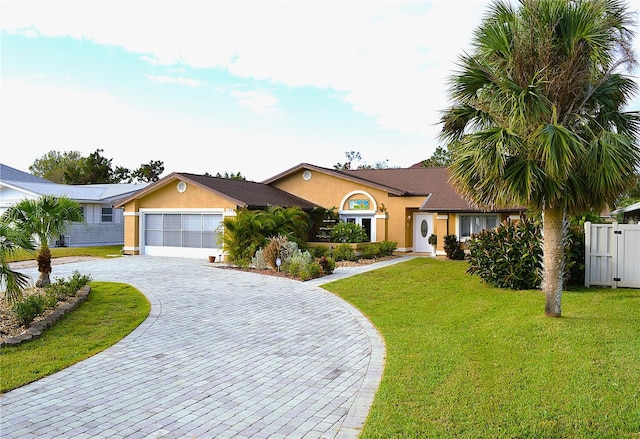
(432, 183)
(244, 193)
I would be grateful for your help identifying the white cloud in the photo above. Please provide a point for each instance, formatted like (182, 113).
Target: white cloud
(163, 79)
(387, 62)
(257, 101)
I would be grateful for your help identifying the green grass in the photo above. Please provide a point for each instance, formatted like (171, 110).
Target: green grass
(466, 360)
(58, 252)
(111, 311)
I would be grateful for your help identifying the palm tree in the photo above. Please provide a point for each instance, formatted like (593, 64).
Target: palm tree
(11, 240)
(537, 115)
(44, 217)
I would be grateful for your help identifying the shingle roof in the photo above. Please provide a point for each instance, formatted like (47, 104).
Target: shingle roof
(432, 183)
(87, 193)
(7, 173)
(244, 193)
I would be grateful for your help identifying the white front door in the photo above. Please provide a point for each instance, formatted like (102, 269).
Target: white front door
(422, 229)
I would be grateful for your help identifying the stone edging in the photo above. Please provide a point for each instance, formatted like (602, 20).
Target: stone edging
(35, 330)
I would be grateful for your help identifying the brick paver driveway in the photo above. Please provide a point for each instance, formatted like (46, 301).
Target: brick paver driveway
(222, 354)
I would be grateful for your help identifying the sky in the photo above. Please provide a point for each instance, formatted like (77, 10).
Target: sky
(230, 86)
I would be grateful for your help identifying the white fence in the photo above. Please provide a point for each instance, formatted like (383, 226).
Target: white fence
(612, 255)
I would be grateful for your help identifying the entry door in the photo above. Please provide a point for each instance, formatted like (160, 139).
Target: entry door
(422, 229)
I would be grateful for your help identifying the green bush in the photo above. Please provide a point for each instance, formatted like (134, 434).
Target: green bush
(509, 256)
(371, 251)
(388, 247)
(309, 270)
(320, 251)
(452, 247)
(344, 252)
(62, 288)
(348, 232)
(29, 308)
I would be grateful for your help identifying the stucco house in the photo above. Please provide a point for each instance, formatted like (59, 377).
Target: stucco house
(181, 214)
(405, 205)
(103, 223)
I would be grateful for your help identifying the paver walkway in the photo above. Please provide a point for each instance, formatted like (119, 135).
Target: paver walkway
(223, 354)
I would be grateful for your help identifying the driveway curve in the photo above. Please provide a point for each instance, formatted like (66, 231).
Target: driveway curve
(223, 354)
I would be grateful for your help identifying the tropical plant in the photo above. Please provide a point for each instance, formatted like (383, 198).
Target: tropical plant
(43, 217)
(537, 115)
(12, 239)
(453, 247)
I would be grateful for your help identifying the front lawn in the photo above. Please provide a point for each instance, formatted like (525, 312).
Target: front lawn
(59, 252)
(466, 360)
(112, 311)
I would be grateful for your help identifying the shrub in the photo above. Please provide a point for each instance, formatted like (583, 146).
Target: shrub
(348, 232)
(388, 247)
(453, 247)
(29, 308)
(320, 251)
(327, 264)
(258, 261)
(371, 251)
(309, 270)
(510, 256)
(344, 252)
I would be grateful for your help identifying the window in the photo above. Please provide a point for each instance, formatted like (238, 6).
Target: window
(82, 213)
(107, 215)
(182, 230)
(470, 224)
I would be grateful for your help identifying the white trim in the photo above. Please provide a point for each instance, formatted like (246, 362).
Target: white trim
(129, 249)
(176, 209)
(442, 217)
(380, 215)
(131, 214)
(366, 194)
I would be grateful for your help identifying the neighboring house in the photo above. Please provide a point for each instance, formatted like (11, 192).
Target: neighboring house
(181, 214)
(630, 214)
(405, 205)
(103, 223)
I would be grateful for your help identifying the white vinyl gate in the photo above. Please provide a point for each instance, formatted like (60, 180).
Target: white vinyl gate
(612, 255)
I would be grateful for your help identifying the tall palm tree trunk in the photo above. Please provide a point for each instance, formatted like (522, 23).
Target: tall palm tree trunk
(553, 260)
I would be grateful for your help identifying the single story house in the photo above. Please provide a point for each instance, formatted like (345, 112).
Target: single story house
(180, 214)
(405, 205)
(630, 214)
(103, 223)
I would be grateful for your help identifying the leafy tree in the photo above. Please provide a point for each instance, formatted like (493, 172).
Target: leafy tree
(150, 172)
(44, 217)
(94, 169)
(440, 157)
(537, 116)
(354, 161)
(71, 167)
(230, 176)
(11, 240)
(53, 164)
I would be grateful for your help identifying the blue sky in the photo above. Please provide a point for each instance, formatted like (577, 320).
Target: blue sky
(212, 86)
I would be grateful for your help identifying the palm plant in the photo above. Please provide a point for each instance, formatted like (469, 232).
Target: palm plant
(43, 217)
(12, 239)
(537, 115)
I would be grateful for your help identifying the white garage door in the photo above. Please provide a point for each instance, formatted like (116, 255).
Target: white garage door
(182, 234)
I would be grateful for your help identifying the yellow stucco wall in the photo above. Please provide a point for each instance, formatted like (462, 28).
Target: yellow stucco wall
(330, 192)
(167, 197)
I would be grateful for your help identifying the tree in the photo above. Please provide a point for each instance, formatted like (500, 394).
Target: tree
(94, 169)
(150, 172)
(440, 157)
(44, 217)
(537, 118)
(354, 159)
(230, 176)
(53, 164)
(11, 240)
